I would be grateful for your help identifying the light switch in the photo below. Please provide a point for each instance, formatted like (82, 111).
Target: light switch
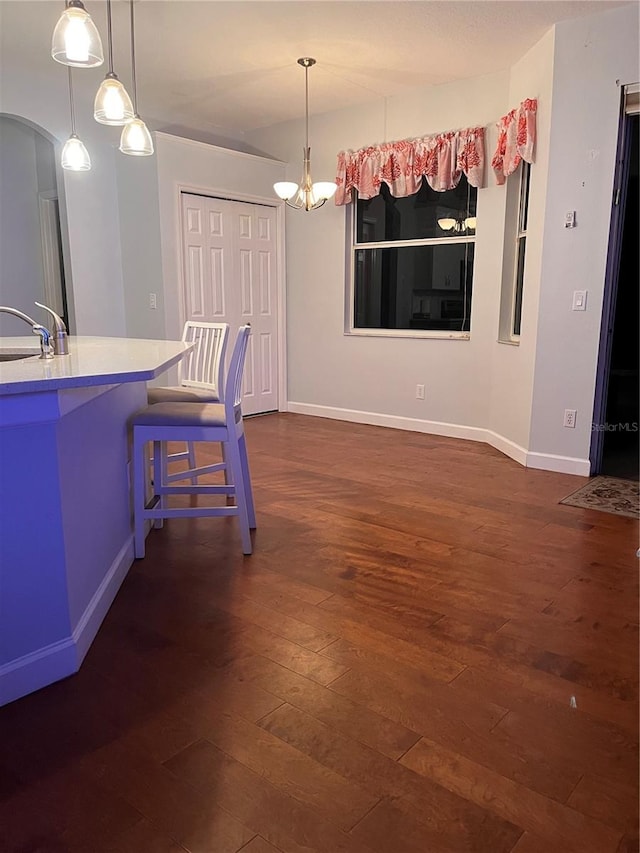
(579, 300)
(570, 219)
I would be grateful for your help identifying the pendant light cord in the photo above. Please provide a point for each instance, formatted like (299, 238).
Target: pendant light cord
(73, 115)
(133, 64)
(110, 36)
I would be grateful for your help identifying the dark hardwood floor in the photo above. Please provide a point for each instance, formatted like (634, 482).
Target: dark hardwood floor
(426, 653)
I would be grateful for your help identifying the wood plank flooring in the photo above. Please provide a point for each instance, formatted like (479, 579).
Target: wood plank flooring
(426, 653)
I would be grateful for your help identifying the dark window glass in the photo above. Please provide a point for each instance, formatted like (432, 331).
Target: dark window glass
(517, 304)
(524, 195)
(416, 216)
(414, 287)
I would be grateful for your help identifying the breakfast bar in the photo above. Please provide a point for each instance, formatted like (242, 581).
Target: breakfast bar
(66, 534)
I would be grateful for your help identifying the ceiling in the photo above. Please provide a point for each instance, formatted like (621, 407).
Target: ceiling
(226, 68)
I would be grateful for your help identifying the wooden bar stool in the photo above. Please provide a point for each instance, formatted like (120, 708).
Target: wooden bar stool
(194, 421)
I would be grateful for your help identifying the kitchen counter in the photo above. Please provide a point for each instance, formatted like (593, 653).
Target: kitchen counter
(91, 361)
(66, 522)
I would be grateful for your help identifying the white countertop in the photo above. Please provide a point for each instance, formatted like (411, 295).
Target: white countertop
(91, 361)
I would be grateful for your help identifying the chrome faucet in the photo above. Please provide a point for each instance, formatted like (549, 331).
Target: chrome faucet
(60, 337)
(46, 343)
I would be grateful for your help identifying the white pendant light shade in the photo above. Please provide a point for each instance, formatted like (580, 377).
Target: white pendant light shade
(324, 190)
(76, 40)
(447, 223)
(112, 104)
(136, 139)
(285, 189)
(75, 157)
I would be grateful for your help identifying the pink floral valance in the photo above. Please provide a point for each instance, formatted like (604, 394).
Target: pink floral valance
(516, 139)
(441, 159)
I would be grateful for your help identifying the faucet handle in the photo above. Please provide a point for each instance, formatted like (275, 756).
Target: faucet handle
(46, 343)
(60, 345)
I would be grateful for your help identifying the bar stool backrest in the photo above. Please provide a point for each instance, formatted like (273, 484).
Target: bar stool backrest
(203, 367)
(233, 387)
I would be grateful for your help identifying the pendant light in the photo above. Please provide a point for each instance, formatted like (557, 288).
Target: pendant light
(307, 195)
(135, 138)
(76, 40)
(75, 157)
(112, 104)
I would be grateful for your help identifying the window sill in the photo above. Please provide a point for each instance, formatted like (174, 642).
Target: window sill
(409, 333)
(509, 343)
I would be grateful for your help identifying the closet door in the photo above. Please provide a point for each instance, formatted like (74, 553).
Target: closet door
(229, 251)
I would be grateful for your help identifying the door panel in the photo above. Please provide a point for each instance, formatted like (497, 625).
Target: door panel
(230, 277)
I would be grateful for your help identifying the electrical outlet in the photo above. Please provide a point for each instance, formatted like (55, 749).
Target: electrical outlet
(419, 392)
(569, 418)
(153, 302)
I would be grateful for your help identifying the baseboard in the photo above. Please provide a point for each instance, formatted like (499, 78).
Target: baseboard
(37, 669)
(561, 464)
(543, 461)
(85, 631)
(392, 421)
(506, 446)
(51, 663)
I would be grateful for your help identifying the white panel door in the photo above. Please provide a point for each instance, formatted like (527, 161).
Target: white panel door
(229, 251)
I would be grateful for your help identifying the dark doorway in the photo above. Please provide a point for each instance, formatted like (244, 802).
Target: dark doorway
(616, 419)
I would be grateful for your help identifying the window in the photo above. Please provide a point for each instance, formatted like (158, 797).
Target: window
(514, 254)
(412, 262)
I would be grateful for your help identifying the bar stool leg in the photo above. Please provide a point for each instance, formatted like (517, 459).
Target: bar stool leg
(232, 452)
(246, 479)
(140, 469)
(160, 468)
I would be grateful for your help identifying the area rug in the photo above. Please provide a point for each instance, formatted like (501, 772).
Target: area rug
(608, 494)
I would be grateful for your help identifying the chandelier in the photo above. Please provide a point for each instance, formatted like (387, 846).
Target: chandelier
(306, 195)
(459, 225)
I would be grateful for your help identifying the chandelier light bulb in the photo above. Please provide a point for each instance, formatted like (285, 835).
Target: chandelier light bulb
(76, 40)
(112, 104)
(75, 157)
(136, 139)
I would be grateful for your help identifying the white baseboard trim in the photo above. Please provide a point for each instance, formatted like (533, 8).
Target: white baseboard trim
(51, 663)
(85, 631)
(37, 669)
(561, 464)
(543, 461)
(392, 421)
(506, 446)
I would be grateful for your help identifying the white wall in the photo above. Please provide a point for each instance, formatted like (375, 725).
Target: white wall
(512, 367)
(378, 375)
(88, 199)
(137, 179)
(20, 243)
(593, 57)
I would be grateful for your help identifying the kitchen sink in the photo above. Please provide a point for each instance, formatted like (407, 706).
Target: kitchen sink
(16, 356)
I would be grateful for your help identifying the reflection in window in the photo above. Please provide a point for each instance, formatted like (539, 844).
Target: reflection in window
(413, 260)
